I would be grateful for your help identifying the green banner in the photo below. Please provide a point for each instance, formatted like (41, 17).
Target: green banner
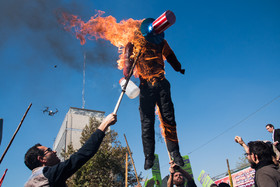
(187, 167)
(205, 179)
(156, 172)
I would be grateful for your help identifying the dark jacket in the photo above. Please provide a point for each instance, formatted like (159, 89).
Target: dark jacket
(277, 138)
(267, 176)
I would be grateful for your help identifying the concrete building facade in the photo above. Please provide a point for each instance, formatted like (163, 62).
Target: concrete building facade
(73, 124)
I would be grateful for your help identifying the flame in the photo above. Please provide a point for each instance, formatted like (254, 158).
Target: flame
(167, 131)
(119, 34)
(107, 28)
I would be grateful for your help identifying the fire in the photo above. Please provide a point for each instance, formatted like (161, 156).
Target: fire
(167, 131)
(119, 34)
(107, 28)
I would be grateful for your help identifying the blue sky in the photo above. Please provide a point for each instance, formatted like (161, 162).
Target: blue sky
(230, 50)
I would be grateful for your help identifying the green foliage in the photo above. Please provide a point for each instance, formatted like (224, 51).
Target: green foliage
(242, 163)
(107, 167)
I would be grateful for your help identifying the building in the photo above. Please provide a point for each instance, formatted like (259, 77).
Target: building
(73, 124)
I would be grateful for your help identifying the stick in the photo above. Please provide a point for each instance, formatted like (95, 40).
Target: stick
(170, 159)
(125, 85)
(126, 168)
(131, 159)
(229, 174)
(11, 141)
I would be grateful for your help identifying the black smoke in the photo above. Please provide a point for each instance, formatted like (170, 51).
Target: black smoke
(36, 23)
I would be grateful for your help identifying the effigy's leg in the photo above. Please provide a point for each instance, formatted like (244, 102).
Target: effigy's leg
(168, 123)
(147, 115)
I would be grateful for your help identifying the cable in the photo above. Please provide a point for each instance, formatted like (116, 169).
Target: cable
(241, 121)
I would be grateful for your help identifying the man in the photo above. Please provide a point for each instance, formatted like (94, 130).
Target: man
(155, 90)
(275, 135)
(47, 170)
(177, 177)
(260, 156)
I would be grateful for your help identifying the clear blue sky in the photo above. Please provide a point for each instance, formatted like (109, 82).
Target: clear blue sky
(230, 50)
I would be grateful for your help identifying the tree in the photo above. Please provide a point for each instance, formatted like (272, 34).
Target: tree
(242, 163)
(107, 167)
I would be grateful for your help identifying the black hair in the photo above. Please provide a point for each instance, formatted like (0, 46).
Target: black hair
(263, 150)
(31, 157)
(222, 184)
(270, 125)
(213, 185)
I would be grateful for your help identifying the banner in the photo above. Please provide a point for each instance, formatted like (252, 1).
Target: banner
(205, 179)
(243, 178)
(187, 167)
(156, 172)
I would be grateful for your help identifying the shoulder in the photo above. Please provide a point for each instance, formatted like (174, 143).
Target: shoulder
(268, 176)
(269, 169)
(37, 178)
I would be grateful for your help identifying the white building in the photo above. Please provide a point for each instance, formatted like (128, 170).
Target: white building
(70, 131)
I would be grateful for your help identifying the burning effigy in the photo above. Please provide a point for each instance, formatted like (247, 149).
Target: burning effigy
(143, 51)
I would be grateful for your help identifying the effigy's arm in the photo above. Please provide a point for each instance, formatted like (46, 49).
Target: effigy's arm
(171, 58)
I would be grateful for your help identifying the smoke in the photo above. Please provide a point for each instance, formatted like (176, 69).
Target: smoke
(36, 23)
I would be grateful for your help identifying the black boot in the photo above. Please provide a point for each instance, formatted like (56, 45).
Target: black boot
(177, 158)
(149, 162)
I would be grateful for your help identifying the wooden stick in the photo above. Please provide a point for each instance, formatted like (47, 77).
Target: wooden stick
(11, 141)
(126, 168)
(229, 174)
(170, 159)
(131, 160)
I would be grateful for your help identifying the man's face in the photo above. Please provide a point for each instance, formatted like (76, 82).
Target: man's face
(50, 158)
(251, 161)
(178, 178)
(269, 129)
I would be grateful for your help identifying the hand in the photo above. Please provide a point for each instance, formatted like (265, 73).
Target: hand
(275, 143)
(173, 167)
(111, 119)
(182, 71)
(239, 140)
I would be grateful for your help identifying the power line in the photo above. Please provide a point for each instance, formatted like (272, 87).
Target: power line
(238, 123)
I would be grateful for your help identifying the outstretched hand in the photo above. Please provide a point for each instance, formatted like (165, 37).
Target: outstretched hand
(182, 71)
(173, 167)
(111, 119)
(239, 140)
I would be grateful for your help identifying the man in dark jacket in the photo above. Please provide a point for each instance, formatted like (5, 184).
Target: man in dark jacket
(47, 170)
(155, 90)
(275, 135)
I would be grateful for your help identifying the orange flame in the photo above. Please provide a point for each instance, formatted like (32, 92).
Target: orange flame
(119, 34)
(167, 131)
(107, 28)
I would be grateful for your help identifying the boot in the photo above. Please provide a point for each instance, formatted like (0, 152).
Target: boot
(177, 158)
(149, 162)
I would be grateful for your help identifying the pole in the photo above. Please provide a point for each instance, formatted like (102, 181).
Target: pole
(1, 129)
(125, 85)
(132, 160)
(170, 159)
(229, 174)
(11, 141)
(126, 168)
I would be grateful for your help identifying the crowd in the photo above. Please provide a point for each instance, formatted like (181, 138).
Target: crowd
(48, 170)
(263, 156)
